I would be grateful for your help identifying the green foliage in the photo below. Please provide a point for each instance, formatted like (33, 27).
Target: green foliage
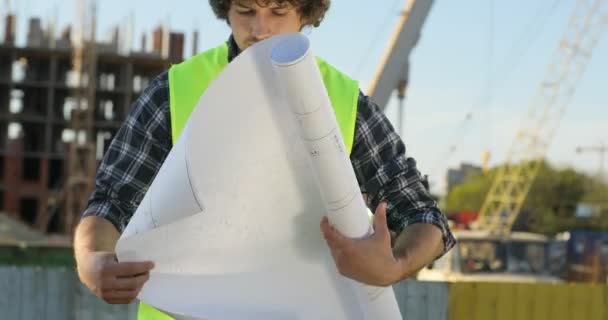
(550, 205)
(469, 195)
(557, 191)
(596, 193)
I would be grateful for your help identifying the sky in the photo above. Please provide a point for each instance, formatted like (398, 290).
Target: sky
(474, 74)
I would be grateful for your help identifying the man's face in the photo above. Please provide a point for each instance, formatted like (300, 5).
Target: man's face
(251, 22)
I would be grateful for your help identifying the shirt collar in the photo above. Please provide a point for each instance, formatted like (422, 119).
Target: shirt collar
(233, 48)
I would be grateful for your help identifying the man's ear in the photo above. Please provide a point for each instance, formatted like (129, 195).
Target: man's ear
(305, 23)
(307, 28)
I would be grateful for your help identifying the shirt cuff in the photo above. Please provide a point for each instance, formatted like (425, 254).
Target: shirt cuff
(436, 218)
(108, 210)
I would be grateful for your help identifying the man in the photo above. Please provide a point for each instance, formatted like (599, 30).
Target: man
(391, 182)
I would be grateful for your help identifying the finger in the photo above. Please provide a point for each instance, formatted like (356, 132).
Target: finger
(119, 301)
(336, 254)
(336, 241)
(125, 269)
(380, 224)
(325, 227)
(329, 231)
(130, 283)
(120, 294)
(335, 237)
(381, 207)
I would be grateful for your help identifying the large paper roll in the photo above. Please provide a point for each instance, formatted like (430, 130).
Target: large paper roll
(300, 77)
(232, 219)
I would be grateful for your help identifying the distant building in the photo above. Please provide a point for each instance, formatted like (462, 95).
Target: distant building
(9, 29)
(169, 45)
(35, 34)
(458, 176)
(157, 40)
(176, 46)
(37, 88)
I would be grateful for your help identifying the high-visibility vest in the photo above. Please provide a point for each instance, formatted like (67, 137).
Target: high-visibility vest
(189, 80)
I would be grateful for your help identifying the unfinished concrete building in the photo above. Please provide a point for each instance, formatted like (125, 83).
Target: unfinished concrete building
(36, 97)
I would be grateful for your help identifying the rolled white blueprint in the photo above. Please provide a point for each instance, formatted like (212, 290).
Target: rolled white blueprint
(295, 66)
(255, 252)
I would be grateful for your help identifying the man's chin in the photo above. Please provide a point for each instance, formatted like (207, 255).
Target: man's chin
(250, 43)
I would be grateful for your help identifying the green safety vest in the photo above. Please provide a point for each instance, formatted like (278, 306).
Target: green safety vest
(189, 80)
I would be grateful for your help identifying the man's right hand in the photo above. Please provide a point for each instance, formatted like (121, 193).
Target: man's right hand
(112, 281)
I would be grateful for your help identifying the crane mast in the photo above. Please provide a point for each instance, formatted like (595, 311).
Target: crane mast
(392, 72)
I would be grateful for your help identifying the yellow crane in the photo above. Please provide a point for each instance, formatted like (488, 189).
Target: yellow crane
(514, 179)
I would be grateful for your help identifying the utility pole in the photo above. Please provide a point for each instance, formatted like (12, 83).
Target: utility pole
(401, 89)
(601, 150)
(80, 173)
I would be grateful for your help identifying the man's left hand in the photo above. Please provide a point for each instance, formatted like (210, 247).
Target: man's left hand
(368, 260)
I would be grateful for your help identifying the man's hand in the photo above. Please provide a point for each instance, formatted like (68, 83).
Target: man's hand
(112, 281)
(368, 260)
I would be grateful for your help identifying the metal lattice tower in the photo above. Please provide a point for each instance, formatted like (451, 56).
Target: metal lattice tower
(513, 181)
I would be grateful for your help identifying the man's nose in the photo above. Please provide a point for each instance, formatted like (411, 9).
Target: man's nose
(261, 28)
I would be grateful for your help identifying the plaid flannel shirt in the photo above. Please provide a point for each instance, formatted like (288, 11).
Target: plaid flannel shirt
(383, 170)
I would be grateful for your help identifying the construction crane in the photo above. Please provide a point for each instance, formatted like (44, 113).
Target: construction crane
(393, 70)
(80, 164)
(513, 180)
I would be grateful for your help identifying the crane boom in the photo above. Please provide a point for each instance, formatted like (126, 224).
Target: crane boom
(514, 180)
(394, 65)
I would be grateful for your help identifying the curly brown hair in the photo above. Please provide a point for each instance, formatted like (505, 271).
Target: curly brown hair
(311, 11)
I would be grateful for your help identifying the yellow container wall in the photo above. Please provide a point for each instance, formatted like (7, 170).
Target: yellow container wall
(519, 301)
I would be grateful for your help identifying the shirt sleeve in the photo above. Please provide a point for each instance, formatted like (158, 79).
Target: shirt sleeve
(134, 156)
(385, 173)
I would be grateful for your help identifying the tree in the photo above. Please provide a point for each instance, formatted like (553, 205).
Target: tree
(550, 205)
(469, 195)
